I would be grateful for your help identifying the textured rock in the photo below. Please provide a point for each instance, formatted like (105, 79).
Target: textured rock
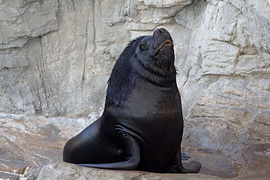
(28, 143)
(66, 171)
(165, 3)
(226, 89)
(77, 44)
(21, 20)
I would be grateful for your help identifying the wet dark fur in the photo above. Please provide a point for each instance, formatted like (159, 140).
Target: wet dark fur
(122, 78)
(141, 126)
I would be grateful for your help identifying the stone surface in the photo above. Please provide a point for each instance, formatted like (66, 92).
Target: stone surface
(56, 57)
(30, 142)
(226, 90)
(64, 171)
(59, 64)
(165, 3)
(21, 20)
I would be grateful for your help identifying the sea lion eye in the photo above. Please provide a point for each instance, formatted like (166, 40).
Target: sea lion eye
(143, 46)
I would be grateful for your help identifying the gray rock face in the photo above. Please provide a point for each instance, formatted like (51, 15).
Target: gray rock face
(226, 89)
(56, 57)
(69, 48)
(21, 20)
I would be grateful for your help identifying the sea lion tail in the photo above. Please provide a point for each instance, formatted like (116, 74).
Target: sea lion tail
(130, 164)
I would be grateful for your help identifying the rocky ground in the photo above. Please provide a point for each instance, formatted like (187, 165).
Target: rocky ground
(30, 142)
(63, 171)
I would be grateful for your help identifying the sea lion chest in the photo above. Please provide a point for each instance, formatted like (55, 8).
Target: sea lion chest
(154, 111)
(154, 115)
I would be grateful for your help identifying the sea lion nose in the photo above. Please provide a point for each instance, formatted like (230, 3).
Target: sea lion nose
(161, 35)
(161, 31)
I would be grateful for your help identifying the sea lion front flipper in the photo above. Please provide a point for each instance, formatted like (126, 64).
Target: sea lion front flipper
(132, 150)
(191, 167)
(184, 156)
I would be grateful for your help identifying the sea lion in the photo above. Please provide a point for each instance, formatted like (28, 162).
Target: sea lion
(142, 124)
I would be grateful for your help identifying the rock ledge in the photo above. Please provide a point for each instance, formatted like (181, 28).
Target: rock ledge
(65, 171)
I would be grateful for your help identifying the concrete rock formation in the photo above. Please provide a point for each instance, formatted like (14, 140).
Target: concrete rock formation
(56, 57)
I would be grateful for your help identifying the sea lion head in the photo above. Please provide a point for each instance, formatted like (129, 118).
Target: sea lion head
(156, 52)
(152, 57)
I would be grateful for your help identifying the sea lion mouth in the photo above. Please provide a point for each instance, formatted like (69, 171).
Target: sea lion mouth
(163, 45)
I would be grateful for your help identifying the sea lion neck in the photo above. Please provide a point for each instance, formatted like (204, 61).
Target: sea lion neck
(151, 72)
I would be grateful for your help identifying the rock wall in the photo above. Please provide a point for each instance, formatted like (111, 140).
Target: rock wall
(226, 91)
(56, 57)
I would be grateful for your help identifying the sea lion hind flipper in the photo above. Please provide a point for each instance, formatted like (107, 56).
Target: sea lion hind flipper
(132, 150)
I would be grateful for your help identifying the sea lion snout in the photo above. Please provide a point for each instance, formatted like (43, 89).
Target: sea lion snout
(162, 38)
(160, 35)
(162, 32)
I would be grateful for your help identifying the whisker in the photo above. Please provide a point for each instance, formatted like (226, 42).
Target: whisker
(163, 44)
